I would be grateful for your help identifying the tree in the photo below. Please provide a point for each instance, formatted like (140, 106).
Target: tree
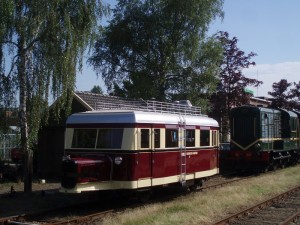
(45, 41)
(7, 91)
(281, 95)
(97, 89)
(295, 95)
(199, 80)
(151, 46)
(231, 88)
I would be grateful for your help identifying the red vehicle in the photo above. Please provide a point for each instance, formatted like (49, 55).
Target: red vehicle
(139, 148)
(16, 155)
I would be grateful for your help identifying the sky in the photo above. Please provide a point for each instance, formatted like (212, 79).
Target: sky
(269, 28)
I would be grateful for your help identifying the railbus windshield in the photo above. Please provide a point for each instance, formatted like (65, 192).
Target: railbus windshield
(97, 138)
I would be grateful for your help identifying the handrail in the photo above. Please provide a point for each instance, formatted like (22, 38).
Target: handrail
(179, 107)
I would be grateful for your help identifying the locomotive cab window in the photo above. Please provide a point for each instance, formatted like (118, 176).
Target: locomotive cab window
(84, 138)
(293, 127)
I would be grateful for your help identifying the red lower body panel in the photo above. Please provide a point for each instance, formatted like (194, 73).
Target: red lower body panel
(155, 167)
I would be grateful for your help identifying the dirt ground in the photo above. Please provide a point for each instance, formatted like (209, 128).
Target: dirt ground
(44, 196)
(13, 200)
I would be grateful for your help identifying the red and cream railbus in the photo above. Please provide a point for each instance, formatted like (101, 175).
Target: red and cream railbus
(139, 147)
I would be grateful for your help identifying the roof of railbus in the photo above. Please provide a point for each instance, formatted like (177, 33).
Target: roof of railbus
(133, 116)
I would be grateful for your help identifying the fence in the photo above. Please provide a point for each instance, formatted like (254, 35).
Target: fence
(7, 142)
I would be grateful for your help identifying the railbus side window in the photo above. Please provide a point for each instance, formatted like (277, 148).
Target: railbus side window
(145, 143)
(204, 137)
(214, 138)
(190, 138)
(84, 138)
(171, 138)
(110, 138)
(156, 138)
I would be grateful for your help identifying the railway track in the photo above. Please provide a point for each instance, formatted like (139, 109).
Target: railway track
(55, 216)
(283, 209)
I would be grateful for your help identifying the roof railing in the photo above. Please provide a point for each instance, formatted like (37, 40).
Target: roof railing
(179, 107)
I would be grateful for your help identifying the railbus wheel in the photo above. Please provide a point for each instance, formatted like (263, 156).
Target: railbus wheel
(197, 184)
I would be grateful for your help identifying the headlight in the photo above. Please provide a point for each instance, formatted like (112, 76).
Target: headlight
(118, 160)
(66, 158)
(257, 146)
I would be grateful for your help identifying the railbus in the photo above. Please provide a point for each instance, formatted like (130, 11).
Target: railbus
(139, 146)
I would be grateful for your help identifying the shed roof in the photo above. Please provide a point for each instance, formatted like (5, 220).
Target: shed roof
(89, 100)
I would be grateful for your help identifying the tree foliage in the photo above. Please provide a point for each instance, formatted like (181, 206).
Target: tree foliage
(232, 84)
(41, 45)
(281, 94)
(97, 89)
(295, 94)
(285, 95)
(7, 91)
(152, 46)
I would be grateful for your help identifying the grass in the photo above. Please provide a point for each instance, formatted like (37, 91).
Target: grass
(209, 206)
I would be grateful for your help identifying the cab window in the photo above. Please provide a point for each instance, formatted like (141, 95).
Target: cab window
(110, 138)
(84, 138)
(145, 143)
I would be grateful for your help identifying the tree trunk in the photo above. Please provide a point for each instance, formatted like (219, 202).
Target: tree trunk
(23, 116)
(225, 121)
(225, 133)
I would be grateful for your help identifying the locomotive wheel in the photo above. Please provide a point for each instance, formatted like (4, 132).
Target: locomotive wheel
(274, 166)
(265, 169)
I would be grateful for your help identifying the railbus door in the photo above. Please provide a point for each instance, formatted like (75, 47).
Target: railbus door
(182, 149)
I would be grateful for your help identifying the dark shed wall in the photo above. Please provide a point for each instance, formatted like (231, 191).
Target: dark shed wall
(51, 148)
(51, 145)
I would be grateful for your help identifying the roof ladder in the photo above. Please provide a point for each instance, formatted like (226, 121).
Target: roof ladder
(182, 146)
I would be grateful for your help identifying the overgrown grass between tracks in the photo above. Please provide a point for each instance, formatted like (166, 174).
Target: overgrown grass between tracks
(208, 206)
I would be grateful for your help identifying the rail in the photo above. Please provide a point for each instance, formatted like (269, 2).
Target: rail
(262, 205)
(178, 107)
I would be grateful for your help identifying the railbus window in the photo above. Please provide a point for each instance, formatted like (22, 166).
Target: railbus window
(214, 138)
(190, 138)
(204, 137)
(110, 138)
(156, 138)
(84, 138)
(145, 138)
(171, 138)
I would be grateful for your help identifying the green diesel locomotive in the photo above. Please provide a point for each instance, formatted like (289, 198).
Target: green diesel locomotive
(263, 138)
